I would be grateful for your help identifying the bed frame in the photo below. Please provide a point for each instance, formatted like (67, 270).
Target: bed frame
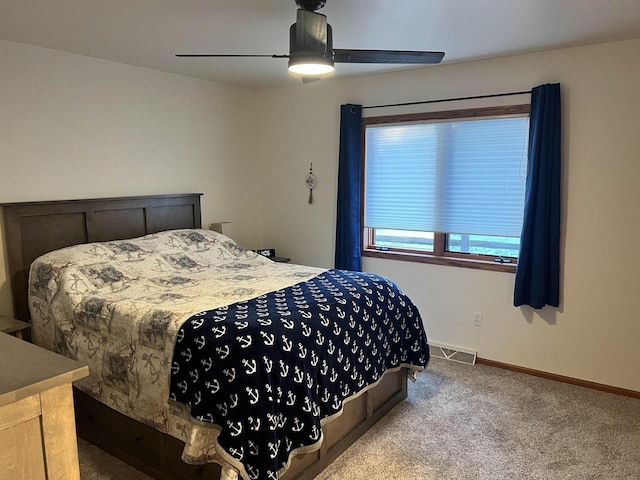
(35, 228)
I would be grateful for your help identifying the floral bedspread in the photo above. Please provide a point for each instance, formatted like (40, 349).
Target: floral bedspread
(117, 306)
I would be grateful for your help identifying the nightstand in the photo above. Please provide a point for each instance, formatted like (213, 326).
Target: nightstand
(281, 259)
(11, 325)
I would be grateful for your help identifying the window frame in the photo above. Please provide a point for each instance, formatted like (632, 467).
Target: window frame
(439, 256)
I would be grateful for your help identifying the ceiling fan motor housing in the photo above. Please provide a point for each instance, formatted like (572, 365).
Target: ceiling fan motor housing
(310, 40)
(310, 5)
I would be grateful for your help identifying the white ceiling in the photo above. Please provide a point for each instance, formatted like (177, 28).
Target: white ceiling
(148, 33)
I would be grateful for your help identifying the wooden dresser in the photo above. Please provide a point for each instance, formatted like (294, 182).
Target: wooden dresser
(37, 426)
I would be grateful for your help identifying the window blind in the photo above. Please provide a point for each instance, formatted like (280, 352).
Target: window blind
(464, 176)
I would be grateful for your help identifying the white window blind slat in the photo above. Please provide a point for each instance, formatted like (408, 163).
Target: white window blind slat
(464, 176)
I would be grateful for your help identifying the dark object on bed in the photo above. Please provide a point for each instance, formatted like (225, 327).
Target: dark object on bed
(35, 228)
(267, 252)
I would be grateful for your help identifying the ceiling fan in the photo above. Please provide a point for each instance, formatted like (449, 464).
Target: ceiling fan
(311, 52)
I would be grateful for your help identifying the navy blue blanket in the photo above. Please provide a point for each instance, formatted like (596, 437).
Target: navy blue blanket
(267, 370)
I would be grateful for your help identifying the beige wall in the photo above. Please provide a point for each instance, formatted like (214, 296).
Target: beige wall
(79, 127)
(595, 333)
(73, 127)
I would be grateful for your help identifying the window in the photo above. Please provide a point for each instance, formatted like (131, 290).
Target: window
(446, 187)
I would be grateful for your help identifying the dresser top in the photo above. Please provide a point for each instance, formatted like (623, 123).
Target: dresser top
(26, 369)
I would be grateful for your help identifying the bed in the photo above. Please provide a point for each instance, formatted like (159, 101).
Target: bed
(270, 321)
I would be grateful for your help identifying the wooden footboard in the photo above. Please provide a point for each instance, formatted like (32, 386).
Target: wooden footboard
(158, 454)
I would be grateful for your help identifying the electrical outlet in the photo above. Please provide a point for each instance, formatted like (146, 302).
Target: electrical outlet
(478, 317)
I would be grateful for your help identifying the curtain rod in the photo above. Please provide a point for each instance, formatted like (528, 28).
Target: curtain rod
(448, 99)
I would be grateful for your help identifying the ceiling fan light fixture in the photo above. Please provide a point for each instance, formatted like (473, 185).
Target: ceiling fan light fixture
(310, 66)
(311, 52)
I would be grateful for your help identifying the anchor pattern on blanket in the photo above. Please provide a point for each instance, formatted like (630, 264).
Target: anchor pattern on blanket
(268, 369)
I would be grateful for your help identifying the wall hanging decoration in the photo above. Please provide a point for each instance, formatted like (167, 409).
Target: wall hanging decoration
(311, 181)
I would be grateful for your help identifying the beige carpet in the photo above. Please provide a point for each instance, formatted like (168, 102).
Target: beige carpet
(477, 423)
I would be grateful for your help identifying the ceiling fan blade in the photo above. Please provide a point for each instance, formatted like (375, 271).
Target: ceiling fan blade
(386, 56)
(227, 55)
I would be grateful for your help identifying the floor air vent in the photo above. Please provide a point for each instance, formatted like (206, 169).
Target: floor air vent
(454, 354)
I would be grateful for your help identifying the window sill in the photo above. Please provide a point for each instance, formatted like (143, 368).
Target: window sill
(437, 260)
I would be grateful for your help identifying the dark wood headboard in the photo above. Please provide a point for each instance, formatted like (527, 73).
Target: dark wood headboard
(36, 228)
